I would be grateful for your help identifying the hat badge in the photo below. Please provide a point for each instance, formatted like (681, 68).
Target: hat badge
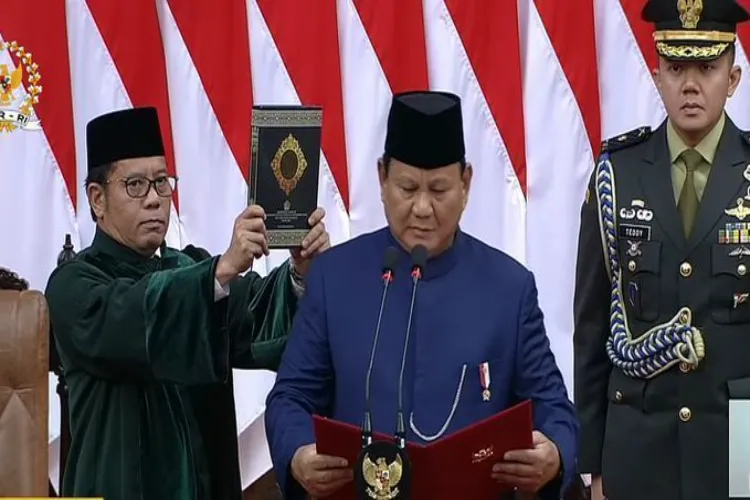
(690, 12)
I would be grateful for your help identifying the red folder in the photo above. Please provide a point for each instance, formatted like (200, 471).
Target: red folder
(456, 466)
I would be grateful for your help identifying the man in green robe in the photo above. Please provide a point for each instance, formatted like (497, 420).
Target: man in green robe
(148, 335)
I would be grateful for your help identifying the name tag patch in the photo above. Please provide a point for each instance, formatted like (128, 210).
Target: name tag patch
(635, 232)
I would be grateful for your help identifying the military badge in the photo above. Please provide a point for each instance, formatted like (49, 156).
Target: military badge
(740, 298)
(637, 210)
(383, 472)
(740, 211)
(690, 13)
(746, 175)
(740, 252)
(634, 248)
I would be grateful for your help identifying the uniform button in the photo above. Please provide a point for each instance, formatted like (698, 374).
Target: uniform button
(684, 367)
(685, 414)
(618, 396)
(742, 270)
(631, 266)
(686, 269)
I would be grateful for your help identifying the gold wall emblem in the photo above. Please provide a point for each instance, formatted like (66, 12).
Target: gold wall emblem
(289, 164)
(382, 478)
(16, 99)
(690, 13)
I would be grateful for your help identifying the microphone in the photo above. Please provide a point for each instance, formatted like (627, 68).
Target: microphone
(389, 265)
(377, 454)
(418, 263)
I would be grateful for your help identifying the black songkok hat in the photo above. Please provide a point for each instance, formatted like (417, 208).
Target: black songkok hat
(694, 30)
(425, 129)
(124, 134)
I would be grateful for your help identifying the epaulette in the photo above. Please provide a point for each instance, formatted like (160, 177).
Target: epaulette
(626, 140)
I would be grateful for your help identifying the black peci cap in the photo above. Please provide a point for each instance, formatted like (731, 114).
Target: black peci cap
(425, 129)
(124, 134)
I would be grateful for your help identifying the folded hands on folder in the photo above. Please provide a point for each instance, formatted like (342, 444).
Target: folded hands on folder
(529, 470)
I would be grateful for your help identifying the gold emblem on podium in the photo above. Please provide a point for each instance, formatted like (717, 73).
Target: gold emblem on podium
(382, 478)
(289, 165)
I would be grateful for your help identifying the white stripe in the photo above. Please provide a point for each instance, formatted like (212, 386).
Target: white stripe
(628, 95)
(496, 209)
(211, 188)
(559, 164)
(367, 99)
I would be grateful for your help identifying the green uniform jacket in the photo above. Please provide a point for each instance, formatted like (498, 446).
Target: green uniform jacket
(663, 436)
(147, 353)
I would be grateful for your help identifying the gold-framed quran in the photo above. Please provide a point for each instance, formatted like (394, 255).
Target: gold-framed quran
(284, 166)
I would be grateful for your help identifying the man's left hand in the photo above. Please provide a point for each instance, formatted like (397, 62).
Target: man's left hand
(529, 470)
(315, 242)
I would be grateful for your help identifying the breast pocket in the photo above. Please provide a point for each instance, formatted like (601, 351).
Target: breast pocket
(640, 262)
(730, 288)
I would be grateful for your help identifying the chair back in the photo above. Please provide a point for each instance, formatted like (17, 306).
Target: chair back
(24, 396)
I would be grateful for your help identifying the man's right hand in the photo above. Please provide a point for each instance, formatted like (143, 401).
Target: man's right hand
(596, 488)
(319, 475)
(248, 242)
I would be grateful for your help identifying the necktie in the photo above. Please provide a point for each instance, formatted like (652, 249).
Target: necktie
(688, 202)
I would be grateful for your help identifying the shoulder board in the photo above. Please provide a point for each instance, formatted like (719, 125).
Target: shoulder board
(626, 140)
(746, 136)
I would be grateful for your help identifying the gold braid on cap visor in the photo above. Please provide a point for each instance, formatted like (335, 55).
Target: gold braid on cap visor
(722, 41)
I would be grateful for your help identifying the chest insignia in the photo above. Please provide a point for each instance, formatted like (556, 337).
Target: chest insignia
(734, 233)
(634, 249)
(739, 252)
(740, 298)
(637, 210)
(740, 211)
(746, 173)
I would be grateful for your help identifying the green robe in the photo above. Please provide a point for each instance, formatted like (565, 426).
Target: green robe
(147, 353)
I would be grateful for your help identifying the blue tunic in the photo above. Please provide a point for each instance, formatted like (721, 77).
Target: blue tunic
(475, 304)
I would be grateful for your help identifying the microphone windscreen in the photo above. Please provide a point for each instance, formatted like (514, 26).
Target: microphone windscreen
(391, 259)
(419, 257)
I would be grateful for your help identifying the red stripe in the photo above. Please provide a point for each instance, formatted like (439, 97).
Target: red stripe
(46, 37)
(642, 31)
(576, 51)
(396, 31)
(489, 31)
(743, 29)
(225, 74)
(306, 34)
(133, 38)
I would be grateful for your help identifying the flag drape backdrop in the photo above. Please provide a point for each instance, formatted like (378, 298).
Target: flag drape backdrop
(542, 82)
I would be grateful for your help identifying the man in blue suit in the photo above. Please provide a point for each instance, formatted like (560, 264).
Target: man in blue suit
(477, 343)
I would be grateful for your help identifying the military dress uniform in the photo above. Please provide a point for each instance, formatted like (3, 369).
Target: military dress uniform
(662, 307)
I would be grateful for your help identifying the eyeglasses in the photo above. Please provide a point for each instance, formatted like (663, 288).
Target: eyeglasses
(139, 187)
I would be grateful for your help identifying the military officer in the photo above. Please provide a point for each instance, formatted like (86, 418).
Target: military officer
(662, 316)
